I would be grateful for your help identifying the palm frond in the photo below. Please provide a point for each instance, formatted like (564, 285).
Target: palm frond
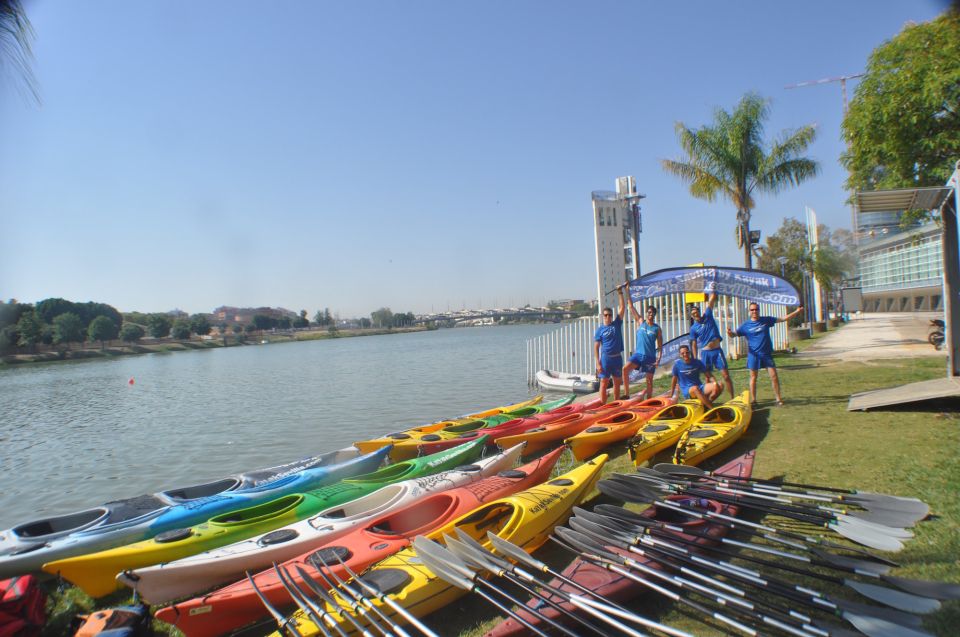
(16, 37)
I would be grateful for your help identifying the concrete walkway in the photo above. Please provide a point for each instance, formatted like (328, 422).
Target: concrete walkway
(875, 336)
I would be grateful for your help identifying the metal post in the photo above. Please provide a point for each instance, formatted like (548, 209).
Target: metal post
(951, 278)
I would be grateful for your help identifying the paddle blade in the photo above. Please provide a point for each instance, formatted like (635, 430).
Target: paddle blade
(925, 588)
(895, 599)
(876, 627)
(862, 535)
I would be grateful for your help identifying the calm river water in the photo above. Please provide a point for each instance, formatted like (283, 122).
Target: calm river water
(77, 434)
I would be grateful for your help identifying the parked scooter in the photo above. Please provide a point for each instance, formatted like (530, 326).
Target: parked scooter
(936, 335)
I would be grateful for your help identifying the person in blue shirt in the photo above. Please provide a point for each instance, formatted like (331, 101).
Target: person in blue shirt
(608, 348)
(649, 349)
(705, 341)
(760, 347)
(686, 375)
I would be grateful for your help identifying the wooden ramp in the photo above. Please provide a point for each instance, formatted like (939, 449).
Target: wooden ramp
(911, 393)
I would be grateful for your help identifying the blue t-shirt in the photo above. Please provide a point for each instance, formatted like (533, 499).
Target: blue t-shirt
(758, 334)
(688, 374)
(610, 337)
(647, 340)
(706, 330)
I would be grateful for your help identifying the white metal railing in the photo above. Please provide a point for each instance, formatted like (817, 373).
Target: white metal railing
(569, 348)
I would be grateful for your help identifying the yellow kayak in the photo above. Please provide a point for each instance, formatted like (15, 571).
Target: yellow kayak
(366, 446)
(714, 431)
(618, 426)
(525, 519)
(664, 430)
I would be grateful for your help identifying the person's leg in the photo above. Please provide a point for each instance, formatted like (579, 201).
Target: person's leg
(648, 393)
(753, 386)
(629, 367)
(696, 392)
(714, 389)
(604, 383)
(775, 381)
(728, 381)
(616, 381)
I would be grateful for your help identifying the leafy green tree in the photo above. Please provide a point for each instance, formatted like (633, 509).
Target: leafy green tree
(365, 322)
(8, 338)
(263, 322)
(181, 330)
(16, 37)
(131, 333)
(382, 317)
(302, 320)
(731, 160)
(67, 328)
(102, 329)
(903, 125)
(29, 330)
(284, 322)
(48, 309)
(199, 325)
(158, 325)
(11, 311)
(237, 329)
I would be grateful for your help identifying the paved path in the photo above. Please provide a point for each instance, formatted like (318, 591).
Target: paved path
(874, 336)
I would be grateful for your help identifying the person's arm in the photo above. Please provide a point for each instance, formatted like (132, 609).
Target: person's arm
(673, 386)
(596, 351)
(633, 312)
(659, 345)
(622, 306)
(712, 300)
(790, 315)
(731, 332)
(693, 345)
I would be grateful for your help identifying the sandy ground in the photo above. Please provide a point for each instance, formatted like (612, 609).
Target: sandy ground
(875, 336)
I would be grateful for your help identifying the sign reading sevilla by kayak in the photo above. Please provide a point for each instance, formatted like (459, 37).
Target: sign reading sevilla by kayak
(755, 285)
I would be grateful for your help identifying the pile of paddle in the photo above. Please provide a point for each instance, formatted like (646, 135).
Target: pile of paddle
(747, 600)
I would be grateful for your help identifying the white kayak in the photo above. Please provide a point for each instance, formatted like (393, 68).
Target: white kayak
(165, 582)
(560, 381)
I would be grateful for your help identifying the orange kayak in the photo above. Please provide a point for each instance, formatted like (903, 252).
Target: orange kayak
(616, 427)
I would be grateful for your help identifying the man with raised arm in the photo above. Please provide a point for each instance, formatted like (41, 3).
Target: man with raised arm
(760, 347)
(686, 375)
(646, 356)
(705, 339)
(608, 348)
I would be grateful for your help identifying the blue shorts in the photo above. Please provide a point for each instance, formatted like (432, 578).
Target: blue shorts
(646, 364)
(686, 390)
(759, 361)
(713, 359)
(611, 366)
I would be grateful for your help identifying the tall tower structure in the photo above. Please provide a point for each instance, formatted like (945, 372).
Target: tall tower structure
(616, 229)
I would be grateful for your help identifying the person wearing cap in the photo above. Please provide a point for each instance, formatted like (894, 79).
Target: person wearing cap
(760, 347)
(608, 348)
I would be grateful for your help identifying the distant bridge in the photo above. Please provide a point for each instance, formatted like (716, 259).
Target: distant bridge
(464, 317)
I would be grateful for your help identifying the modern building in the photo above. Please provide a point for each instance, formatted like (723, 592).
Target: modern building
(616, 228)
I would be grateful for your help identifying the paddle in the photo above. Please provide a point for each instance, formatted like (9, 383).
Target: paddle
(354, 605)
(600, 556)
(807, 597)
(473, 552)
(851, 495)
(435, 557)
(877, 515)
(812, 514)
(896, 599)
(374, 584)
(316, 613)
(866, 537)
(284, 623)
(361, 599)
(588, 606)
(923, 588)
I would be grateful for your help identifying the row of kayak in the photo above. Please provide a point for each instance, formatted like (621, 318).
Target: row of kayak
(339, 508)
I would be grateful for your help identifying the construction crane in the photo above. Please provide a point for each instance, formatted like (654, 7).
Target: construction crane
(827, 80)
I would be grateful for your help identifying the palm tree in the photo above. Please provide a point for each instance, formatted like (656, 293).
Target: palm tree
(730, 159)
(16, 35)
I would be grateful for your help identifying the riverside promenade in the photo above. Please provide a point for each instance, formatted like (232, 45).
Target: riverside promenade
(877, 336)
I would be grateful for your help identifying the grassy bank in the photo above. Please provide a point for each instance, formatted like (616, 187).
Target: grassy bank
(911, 452)
(114, 349)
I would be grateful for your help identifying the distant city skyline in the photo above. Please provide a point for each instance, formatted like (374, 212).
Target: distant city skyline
(417, 157)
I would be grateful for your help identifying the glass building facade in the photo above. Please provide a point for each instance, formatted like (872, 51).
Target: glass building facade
(908, 260)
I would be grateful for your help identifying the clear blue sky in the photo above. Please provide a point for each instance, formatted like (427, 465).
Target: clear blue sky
(415, 155)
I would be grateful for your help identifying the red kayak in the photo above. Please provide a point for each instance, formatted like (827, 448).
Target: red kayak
(237, 605)
(616, 587)
(520, 425)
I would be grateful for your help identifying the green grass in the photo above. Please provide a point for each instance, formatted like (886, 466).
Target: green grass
(911, 451)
